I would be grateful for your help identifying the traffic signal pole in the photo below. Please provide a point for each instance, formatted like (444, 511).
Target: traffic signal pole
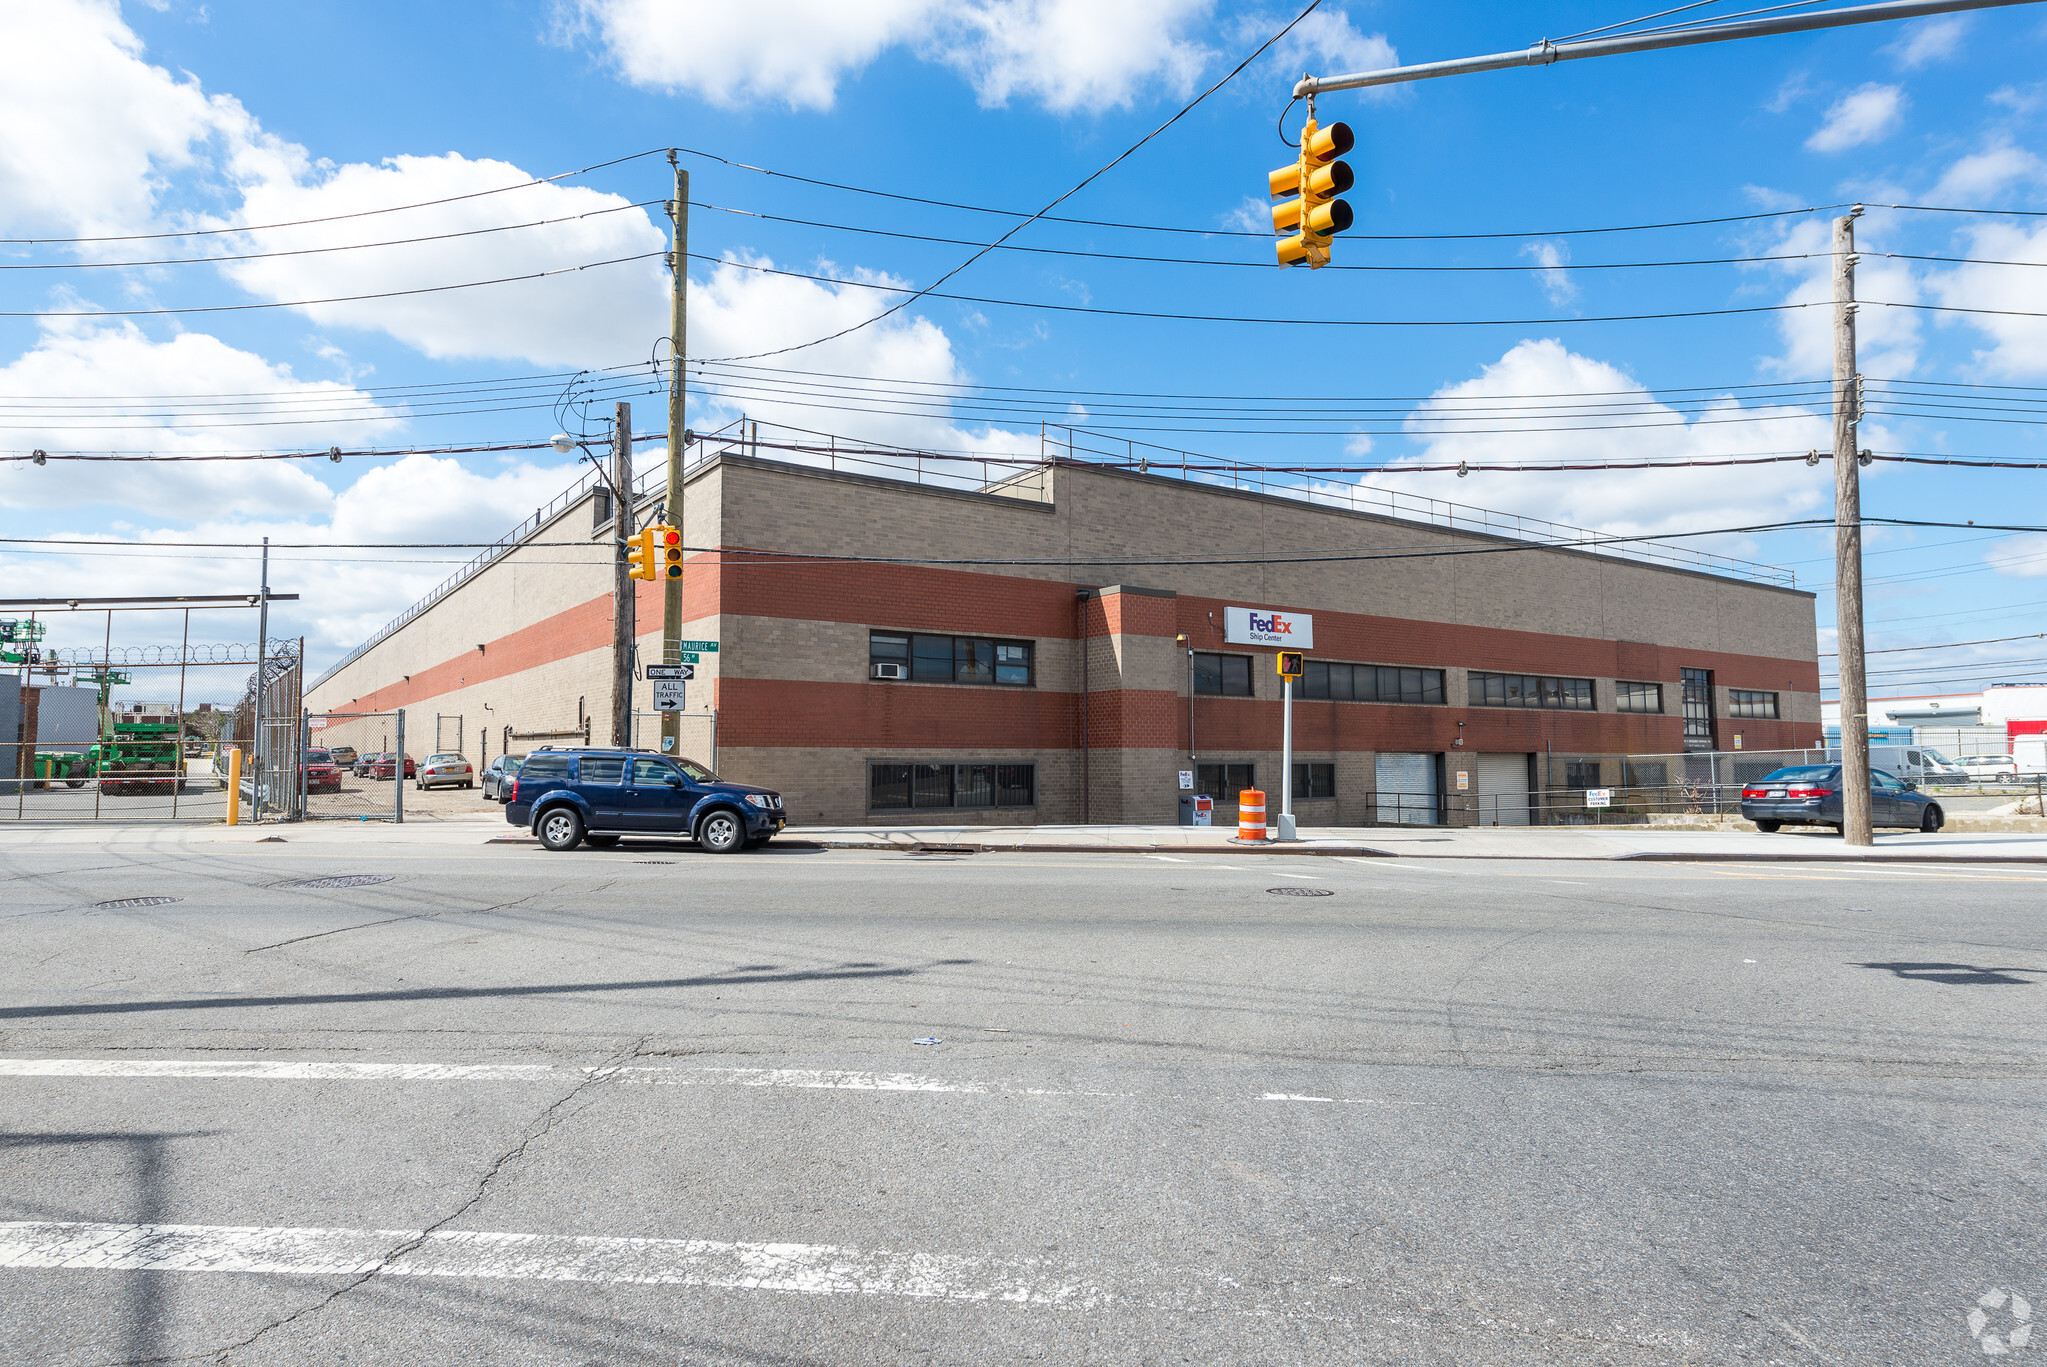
(1546, 53)
(623, 615)
(1856, 828)
(678, 336)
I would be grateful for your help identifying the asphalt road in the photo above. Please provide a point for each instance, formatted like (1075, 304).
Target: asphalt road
(653, 1106)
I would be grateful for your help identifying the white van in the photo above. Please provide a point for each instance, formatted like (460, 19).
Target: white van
(1918, 763)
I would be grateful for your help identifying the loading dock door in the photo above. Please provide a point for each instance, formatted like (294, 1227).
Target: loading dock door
(1502, 784)
(1406, 789)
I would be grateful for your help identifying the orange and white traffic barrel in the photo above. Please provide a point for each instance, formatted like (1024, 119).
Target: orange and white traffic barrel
(1251, 815)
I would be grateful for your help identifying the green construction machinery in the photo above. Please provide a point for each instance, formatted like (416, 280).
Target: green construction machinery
(137, 753)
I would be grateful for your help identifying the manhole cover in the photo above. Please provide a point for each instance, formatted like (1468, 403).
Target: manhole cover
(344, 880)
(1302, 892)
(125, 903)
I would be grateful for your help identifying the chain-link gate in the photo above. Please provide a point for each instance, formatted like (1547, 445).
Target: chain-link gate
(349, 758)
(146, 733)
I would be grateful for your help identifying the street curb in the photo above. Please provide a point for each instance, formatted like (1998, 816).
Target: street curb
(1716, 857)
(987, 847)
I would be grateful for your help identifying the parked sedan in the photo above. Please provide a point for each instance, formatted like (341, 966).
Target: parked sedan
(323, 775)
(1810, 795)
(386, 765)
(344, 755)
(447, 770)
(364, 763)
(500, 776)
(1991, 767)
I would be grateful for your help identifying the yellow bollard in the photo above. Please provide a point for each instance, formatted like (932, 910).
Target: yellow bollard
(234, 787)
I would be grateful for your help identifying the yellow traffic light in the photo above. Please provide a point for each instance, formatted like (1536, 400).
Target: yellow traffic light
(1314, 215)
(642, 559)
(669, 541)
(1290, 662)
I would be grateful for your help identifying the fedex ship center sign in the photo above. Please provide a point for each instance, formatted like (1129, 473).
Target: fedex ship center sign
(1268, 627)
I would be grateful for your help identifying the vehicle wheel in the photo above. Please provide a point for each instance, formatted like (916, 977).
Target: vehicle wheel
(1837, 828)
(1769, 827)
(1932, 820)
(600, 842)
(722, 832)
(561, 828)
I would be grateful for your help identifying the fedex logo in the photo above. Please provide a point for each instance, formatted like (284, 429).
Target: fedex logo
(1268, 627)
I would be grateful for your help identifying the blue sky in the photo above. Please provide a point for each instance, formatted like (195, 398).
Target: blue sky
(160, 118)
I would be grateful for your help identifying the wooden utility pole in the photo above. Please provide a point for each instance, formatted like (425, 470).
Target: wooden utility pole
(678, 339)
(1855, 823)
(623, 617)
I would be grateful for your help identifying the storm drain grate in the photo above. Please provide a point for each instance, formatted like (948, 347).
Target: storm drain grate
(344, 880)
(1302, 892)
(127, 903)
(653, 861)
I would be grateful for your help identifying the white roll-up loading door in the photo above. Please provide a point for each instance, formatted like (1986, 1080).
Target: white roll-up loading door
(1406, 789)
(1502, 785)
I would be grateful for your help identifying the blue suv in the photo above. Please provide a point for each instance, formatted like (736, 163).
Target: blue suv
(595, 796)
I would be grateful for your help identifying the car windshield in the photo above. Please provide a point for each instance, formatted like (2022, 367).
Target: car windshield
(697, 773)
(318, 757)
(1935, 756)
(512, 762)
(1810, 773)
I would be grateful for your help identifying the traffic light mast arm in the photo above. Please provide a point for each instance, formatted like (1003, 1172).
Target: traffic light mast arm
(1546, 53)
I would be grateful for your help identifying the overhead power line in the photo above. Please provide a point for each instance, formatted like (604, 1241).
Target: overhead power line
(328, 218)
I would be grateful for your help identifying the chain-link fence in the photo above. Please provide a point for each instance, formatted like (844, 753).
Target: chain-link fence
(354, 766)
(145, 733)
(1634, 788)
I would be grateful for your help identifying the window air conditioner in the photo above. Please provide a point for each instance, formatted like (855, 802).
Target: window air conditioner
(891, 671)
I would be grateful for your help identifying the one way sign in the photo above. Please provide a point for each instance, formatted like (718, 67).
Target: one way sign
(671, 671)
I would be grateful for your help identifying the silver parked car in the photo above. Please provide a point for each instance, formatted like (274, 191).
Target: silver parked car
(447, 770)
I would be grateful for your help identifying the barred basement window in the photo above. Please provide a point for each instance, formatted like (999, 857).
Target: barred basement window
(1746, 702)
(1312, 781)
(1223, 676)
(1531, 690)
(1369, 683)
(893, 787)
(951, 659)
(1637, 697)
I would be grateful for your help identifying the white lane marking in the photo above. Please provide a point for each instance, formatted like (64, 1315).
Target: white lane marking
(1340, 1100)
(1389, 864)
(272, 1070)
(803, 1269)
(1166, 857)
(1312, 878)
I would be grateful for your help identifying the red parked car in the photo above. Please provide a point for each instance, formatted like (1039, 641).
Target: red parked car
(323, 775)
(383, 765)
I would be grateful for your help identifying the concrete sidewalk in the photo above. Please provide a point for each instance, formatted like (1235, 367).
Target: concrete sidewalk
(1402, 842)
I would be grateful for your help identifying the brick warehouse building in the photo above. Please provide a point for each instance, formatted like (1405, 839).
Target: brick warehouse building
(954, 688)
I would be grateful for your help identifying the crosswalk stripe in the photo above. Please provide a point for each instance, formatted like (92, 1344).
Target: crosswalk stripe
(803, 1269)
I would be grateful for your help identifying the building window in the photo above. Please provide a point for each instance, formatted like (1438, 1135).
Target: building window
(1746, 702)
(1338, 682)
(1222, 676)
(1314, 781)
(1637, 697)
(1223, 782)
(1645, 773)
(1531, 690)
(953, 659)
(1581, 773)
(895, 787)
(1696, 688)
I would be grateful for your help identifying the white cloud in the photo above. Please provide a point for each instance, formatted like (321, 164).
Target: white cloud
(1795, 87)
(2018, 344)
(2021, 557)
(1887, 340)
(56, 381)
(1325, 44)
(602, 316)
(738, 312)
(1550, 258)
(1928, 40)
(91, 128)
(1982, 176)
(1067, 54)
(1867, 114)
(1623, 500)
